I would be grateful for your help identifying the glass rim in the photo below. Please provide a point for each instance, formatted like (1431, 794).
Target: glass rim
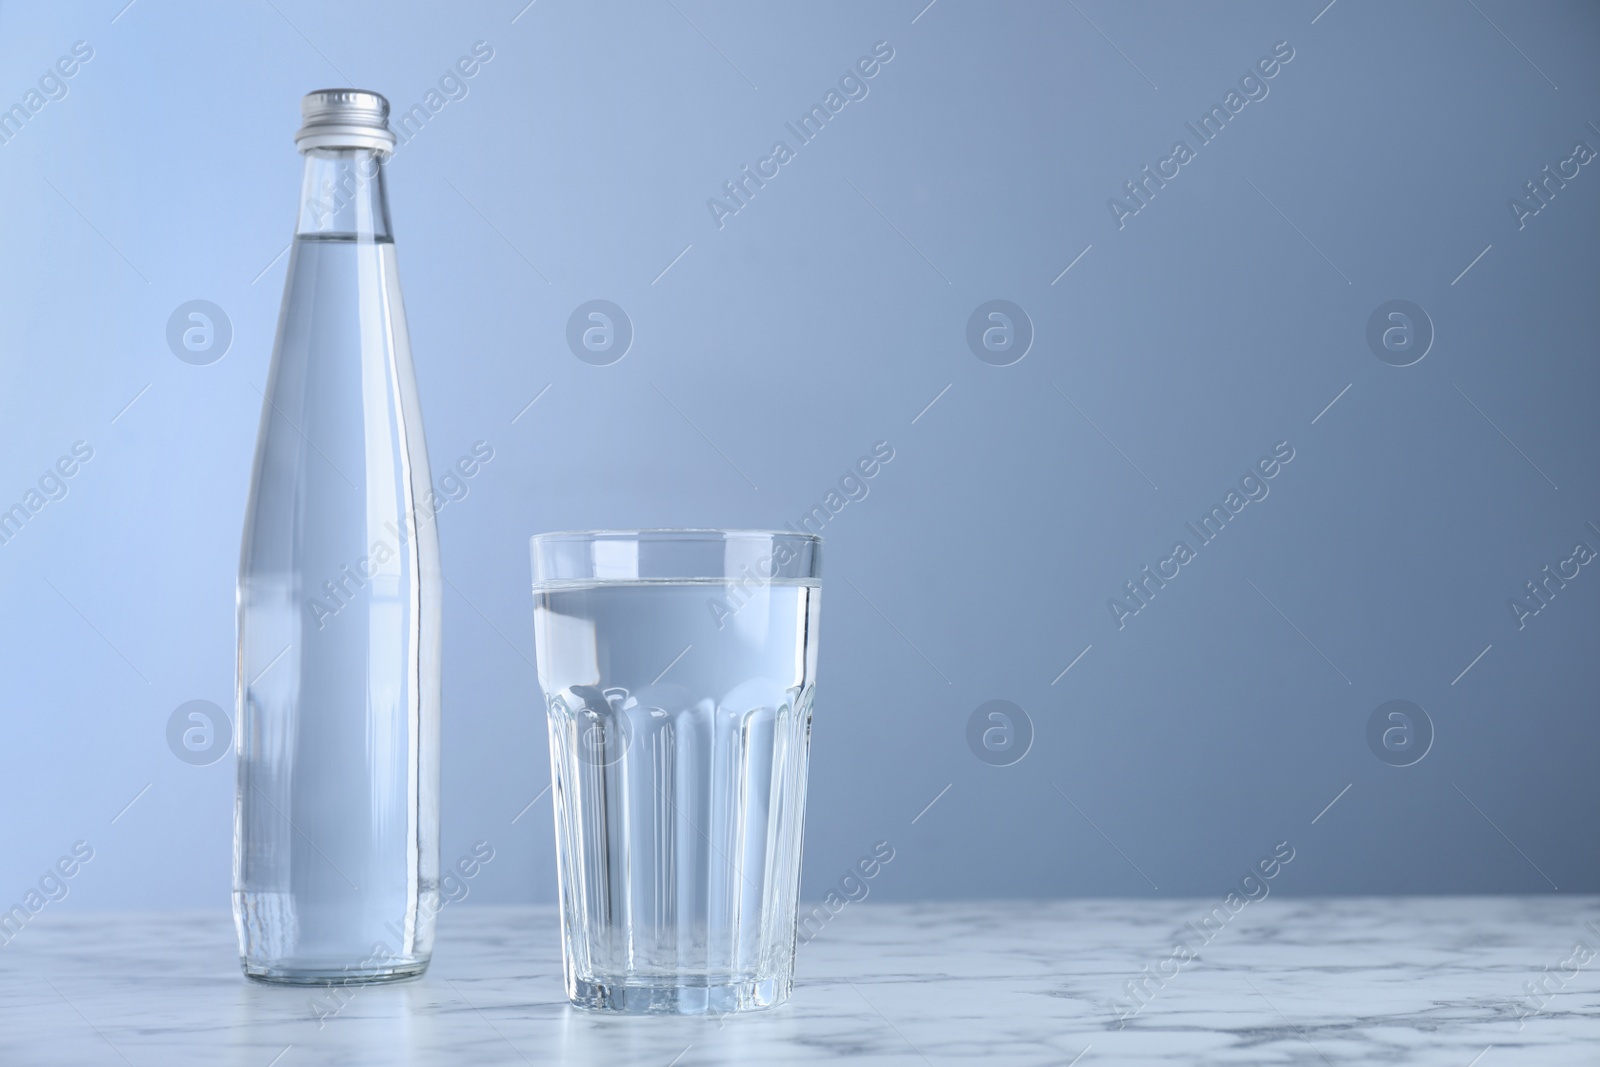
(684, 533)
(585, 556)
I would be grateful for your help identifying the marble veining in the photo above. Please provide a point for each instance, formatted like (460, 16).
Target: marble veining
(1287, 981)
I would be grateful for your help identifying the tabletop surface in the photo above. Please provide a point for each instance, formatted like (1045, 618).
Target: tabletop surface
(1282, 981)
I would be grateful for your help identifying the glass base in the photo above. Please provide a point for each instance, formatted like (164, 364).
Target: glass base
(677, 996)
(328, 975)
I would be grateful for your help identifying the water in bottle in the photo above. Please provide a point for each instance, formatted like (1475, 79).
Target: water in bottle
(336, 826)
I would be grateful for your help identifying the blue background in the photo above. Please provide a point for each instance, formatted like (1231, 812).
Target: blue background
(772, 352)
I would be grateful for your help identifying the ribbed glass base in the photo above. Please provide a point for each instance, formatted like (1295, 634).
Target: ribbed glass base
(676, 996)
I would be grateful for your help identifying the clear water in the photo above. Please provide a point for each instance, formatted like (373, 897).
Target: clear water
(336, 849)
(678, 752)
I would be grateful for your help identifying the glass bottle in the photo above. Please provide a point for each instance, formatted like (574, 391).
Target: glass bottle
(336, 827)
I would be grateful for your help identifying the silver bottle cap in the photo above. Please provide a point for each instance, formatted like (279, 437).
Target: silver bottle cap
(344, 118)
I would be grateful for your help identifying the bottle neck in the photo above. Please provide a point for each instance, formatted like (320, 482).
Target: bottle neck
(343, 197)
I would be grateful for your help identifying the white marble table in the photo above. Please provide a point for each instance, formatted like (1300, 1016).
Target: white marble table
(1343, 981)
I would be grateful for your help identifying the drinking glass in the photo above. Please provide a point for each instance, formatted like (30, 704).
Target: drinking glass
(678, 668)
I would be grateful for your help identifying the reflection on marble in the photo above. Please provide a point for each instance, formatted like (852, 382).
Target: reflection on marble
(1342, 981)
